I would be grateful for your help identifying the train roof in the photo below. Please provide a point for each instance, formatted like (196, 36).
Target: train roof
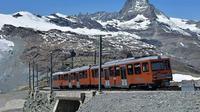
(113, 63)
(72, 70)
(128, 60)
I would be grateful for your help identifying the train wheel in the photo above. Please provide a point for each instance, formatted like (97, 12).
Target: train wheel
(151, 87)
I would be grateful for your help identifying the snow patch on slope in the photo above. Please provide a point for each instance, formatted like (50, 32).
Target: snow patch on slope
(139, 23)
(172, 25)
(29, 20)
(180, 77)
(72, 19)
(181, 43)
(5, 46)
(182, 23)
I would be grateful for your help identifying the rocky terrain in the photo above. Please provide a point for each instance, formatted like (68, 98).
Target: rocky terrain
(144, 102)
(137, 29)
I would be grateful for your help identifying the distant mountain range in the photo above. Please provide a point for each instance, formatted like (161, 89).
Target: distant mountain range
(138, 29)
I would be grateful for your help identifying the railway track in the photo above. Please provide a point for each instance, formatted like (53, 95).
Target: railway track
(171, 88)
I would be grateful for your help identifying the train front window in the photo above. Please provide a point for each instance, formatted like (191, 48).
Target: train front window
(160, 65)
(167, 63)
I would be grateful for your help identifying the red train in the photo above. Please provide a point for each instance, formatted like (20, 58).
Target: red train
(151, 72)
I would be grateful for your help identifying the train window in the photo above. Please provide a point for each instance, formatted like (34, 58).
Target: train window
(85, 74)
(73, 76)
(145, 67)
(95, 73)
(55, 78)
(106, 73)
(66, 76)
(80, 75)
(59, 77)
(62, 77)
(130, 69)
(111, 71)
(117, 71)
(102, 73)
(167, 63)
(69, 77)
(137, 68)
(160, 65)
(77, 76)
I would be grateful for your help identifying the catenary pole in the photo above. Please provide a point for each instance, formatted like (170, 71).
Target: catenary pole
(29, 76)
(95, 57)
(100, 61)
(33, 77)
(51, 83)
(37, 73)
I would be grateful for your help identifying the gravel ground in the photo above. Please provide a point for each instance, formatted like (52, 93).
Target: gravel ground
(149, 101)
(12, 101)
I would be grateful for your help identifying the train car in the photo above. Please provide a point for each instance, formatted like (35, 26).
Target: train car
(60, 80)
(151, 72)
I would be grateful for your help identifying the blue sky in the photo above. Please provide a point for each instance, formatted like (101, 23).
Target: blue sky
(188, 9)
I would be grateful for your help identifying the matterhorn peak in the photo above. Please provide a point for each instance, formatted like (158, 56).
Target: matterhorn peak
(134, 7)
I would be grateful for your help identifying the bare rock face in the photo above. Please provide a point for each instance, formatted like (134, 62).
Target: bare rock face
(134, 7)
(198, 24)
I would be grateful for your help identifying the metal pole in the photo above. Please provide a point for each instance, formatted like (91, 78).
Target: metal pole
(95, 57)
(47, 76)
(29, 76)
(37, 84)
(33, 78)
(100, 61)
(72, 62)
(51, 83)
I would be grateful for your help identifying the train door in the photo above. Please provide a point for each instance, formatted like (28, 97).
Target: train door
(112, 78)
(117, 77)
(146, 72)
(77, 80)
(69, 79)
(107, 79)
(124, 82)
(74, 80)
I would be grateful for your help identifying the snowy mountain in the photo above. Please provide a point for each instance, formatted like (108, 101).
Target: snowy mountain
(137, 29)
